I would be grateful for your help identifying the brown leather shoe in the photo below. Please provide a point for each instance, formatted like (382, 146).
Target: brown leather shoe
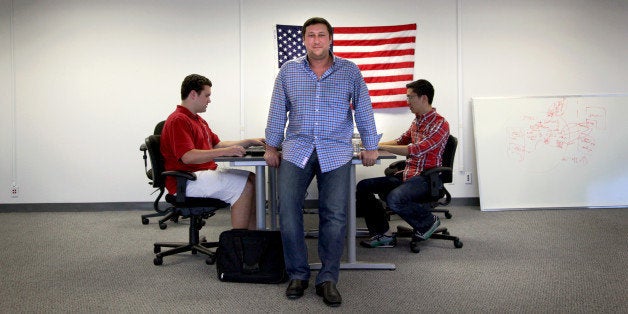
(295, 288)
(330, 294)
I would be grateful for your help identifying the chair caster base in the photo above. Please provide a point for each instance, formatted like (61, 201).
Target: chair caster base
(457, 244)
(414, 247)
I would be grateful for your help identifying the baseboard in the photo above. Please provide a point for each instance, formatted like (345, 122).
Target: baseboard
(75, 207)
(465, 201)
(113, 206)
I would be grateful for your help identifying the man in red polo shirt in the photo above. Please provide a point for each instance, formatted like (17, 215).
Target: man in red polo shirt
(423, 145)
(187, 143)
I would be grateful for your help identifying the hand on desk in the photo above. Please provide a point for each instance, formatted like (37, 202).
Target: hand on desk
(368, 157)
(272, 156)
(235, 150)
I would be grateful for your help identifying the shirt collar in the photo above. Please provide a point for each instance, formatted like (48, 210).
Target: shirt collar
(333, 59)
(187, 112)
(426, 115)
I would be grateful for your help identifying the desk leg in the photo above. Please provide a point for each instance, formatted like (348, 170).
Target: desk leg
(351, 230)
(351, 223)
(272, 196)
(260, 197)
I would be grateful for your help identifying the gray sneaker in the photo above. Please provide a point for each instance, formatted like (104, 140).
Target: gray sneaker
(379, 240)
(427, 234)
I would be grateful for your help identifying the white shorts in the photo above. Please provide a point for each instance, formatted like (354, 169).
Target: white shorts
(224, 184)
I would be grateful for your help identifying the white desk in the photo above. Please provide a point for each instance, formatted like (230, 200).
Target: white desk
(260, 200)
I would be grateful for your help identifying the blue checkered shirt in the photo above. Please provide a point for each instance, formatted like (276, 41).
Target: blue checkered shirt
(319, 114)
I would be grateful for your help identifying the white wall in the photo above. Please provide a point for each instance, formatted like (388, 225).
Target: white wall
(93, 77)
(92, 80)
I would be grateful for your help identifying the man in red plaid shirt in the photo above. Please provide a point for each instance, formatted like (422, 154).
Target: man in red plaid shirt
(423, 145)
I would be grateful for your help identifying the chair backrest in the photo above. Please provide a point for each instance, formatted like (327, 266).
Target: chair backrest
(159, 127)
(156, 160)
(448, 157)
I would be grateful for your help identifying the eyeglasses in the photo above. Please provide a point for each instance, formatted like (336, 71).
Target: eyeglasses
(409, 97)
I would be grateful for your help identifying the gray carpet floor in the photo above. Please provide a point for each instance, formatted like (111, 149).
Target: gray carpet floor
(542, 261)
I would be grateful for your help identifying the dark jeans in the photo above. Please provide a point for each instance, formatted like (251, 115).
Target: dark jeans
(403, 198)
(333, 201)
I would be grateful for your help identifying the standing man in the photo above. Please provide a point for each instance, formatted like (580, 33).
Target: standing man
(315, 93)
(188, 144)
(423, 145)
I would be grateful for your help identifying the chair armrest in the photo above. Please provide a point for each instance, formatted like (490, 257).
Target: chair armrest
(182, 181)
(395, 169)
(434, 179)
(149, 172)
(428, 172)
(180, 174)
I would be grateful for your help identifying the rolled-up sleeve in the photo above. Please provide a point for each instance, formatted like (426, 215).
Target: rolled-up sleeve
(364, 119)
(277, 115)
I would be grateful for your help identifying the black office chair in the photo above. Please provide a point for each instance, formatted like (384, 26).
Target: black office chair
(159, 212)
(438, 196)
(195, 208)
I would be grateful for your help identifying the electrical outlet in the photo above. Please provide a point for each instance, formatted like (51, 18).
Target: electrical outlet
(467, 178)
(14, 191)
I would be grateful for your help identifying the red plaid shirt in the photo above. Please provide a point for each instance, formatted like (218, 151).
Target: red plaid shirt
(426, 139)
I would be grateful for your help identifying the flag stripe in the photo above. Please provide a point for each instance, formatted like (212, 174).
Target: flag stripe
(374, 42)
(386, 98)
(373, 36)
(391, 78)
(389, 85)
(385, 53)
(381, 66)
(385, 92)
(390, 72)
(382, 60)
(389, 104)
(371, 48)
(374, 29)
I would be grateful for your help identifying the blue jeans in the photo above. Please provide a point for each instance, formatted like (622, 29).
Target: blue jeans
(333, 189)
(403, 198)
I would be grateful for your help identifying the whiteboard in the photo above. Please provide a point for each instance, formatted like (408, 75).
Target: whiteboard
(551, 152)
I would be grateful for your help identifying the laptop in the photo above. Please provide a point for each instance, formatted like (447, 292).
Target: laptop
(257, 150)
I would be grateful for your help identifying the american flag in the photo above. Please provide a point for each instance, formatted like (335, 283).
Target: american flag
(384, 54)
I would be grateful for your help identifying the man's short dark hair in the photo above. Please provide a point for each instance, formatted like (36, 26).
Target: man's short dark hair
(193, 82)
(422, 87)
(317, 20)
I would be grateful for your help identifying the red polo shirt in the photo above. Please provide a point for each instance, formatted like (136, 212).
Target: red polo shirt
(183, 132)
